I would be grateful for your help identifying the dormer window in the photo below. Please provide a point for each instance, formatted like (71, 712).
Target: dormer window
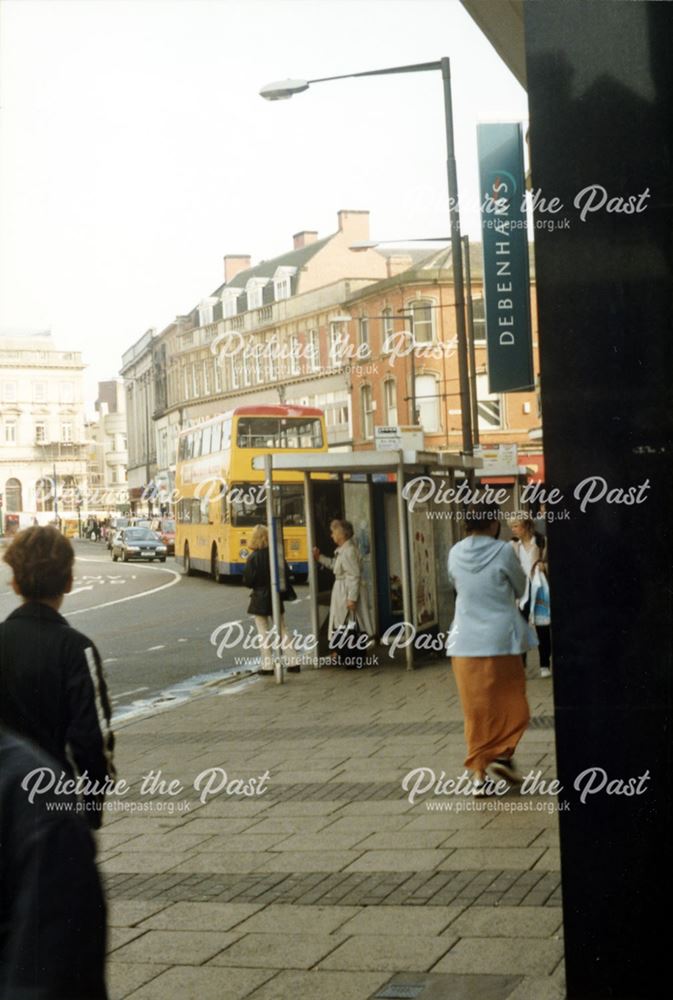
(206, 312)
(255, 292)
(229, 302)
(282, 282)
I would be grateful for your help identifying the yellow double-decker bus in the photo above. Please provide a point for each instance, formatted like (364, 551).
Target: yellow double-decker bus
(220, 497)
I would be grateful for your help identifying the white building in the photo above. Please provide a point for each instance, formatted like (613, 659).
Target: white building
(42, 442)
(108, 452)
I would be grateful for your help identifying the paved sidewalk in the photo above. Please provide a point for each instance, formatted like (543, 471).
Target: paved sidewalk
(331, 884)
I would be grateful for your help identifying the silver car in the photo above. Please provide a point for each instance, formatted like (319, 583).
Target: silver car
(138, 543)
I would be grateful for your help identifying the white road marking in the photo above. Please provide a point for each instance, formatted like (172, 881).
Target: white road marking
(112, 659)
(125, 694)
(177, 577)
(78, 591)
(151, 648)
(182, 640)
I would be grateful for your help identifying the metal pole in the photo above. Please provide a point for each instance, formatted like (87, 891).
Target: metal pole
(275, 596)
(457, 263)
(312, 565)
(470, 342)
(404, 553)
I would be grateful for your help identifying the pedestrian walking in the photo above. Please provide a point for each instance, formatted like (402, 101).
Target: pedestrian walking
(529, 546)
(257, 576)
(52, 908)
(349, 593)
(485, 643)
(52, 688)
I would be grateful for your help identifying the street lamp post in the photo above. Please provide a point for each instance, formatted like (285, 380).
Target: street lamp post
(285, 89)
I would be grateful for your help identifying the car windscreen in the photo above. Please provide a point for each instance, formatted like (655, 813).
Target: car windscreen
(141, 535)
(168, 525)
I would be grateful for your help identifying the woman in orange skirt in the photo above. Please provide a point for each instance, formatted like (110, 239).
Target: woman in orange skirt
(486, 642)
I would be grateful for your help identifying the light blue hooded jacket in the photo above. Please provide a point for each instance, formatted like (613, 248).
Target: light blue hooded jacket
(488, 578)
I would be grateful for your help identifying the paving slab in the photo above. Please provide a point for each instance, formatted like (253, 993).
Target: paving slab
(278, 950)
(399, 861)
(119, 936)
(523, 956)
(201, 916)
(123, 978)
(402, 920)
(493, 837)
(381, 952)
(287, 918)
(204, 983)
(129, 912)
(306, 861)
(539, 988)
(509, 921)
(550, 860)
(317, 985)
(480, 858)
(403, 840)
(176, 947)
(219, 862)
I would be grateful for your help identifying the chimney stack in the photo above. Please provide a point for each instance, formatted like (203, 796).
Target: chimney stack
(304, 238)
(354, 225)
(234, 263)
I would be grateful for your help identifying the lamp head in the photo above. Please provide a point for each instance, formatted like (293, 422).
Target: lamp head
(283, 90)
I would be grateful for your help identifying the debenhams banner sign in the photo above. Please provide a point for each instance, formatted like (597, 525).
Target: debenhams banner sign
(505, 243)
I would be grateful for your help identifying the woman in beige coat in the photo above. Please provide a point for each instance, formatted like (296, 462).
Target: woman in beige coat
(349, 594)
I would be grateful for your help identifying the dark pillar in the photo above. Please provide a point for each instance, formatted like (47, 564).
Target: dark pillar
(599, 79)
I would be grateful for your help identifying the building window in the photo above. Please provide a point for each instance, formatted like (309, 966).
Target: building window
(206, 379)
(294, 356)
(367, 409)
(195, 383)
(257, 360)
(255, 293)
(9, 392)
(39, 392)
(313, 350)
(363, 336)
(427, 403)
(489, 405)
(218, 376)
(205, 313)
(233, 373)
(66, 433)
(246, 368)
(388, 328)
(185, 381)
(10, 432)
(479, 318)
(229, 306)
(338, 344)
(67, 392)
(390, 401)
(272, 352)
(40, 433)
(281, 288)
(13, 499)
(423, 320)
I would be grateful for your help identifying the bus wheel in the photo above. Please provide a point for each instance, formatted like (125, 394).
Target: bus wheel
(187, 563)
(214, 569)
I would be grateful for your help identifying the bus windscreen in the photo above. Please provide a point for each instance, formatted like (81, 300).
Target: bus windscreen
(277, 433)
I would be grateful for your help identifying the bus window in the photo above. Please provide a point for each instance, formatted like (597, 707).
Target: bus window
(205, 444)
(182, 448)
(291, 505)
(189, 441)
(216, 436)
(275, 433)
(226, 434)
(197, 444)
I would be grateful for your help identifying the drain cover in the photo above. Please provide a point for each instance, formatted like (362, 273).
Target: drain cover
(399, 992)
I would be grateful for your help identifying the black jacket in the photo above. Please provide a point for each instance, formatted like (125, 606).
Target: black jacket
(257, 576)
(52, 909)
(53, 692)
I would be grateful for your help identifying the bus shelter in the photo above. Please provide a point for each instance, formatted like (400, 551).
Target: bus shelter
(400, 504)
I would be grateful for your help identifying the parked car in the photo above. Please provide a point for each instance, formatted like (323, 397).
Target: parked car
(165, 527)
(138, 543)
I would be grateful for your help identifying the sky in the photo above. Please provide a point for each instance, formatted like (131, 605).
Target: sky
(135, 150)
